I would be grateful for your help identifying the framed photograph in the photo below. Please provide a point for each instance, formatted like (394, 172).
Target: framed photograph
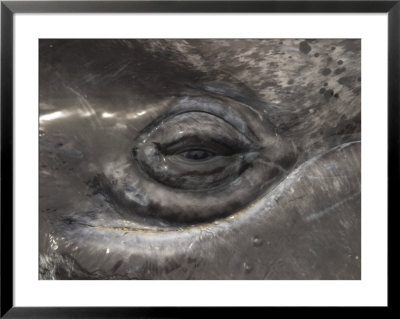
(164, 155)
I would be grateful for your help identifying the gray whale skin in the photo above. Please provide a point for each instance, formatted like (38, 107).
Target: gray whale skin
(200, 159)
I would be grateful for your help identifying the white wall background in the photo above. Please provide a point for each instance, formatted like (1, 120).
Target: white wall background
(371, 290)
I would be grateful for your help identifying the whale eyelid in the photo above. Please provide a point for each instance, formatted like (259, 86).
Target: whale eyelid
(238, 124)
(223, 119)
(236, 92)
(217, 107)
(229, 146)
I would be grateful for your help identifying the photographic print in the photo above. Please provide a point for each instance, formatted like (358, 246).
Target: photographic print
(200, 159)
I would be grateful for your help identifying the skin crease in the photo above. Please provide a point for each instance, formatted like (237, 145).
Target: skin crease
(292, 212)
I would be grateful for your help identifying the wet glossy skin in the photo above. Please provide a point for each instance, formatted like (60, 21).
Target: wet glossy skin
(200, 159)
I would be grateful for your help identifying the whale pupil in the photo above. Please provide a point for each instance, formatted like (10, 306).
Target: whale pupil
(197, 155)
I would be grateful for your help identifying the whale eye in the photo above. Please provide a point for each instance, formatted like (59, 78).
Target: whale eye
(193, 151)
(202, 161)
(197, 154)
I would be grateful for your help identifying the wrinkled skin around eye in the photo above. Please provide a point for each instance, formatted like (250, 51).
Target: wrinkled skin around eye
(189, 191)
(168, 153)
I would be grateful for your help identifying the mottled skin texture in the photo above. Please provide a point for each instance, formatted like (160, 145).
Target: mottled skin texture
(300, 97)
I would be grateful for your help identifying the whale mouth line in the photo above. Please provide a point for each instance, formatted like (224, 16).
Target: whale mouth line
(133, 229)
(123, 228)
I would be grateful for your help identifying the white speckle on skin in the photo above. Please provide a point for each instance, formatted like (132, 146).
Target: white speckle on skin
(107, 115)
(53, 242)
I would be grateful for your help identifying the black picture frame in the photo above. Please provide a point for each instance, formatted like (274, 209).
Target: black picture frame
(9, 8)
